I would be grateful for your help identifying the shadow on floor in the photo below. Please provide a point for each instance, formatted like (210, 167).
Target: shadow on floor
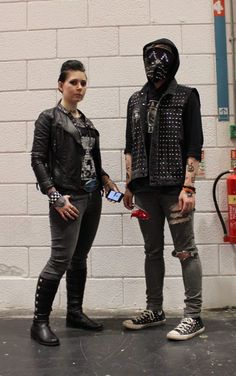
(117, 352)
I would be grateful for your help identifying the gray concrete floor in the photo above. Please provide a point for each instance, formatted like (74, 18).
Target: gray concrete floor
(118, 352)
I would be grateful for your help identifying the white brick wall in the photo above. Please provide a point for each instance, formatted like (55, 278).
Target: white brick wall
(108, 36)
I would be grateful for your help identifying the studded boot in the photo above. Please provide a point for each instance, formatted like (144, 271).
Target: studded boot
(40, 330)
(76, 318)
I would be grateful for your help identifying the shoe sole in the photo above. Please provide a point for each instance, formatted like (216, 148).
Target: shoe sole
(179, 337)
(69, 325)
(128, 324)
(35, 338)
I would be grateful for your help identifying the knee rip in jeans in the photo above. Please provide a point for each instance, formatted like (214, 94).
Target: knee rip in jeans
(176, 217)
(184, 255)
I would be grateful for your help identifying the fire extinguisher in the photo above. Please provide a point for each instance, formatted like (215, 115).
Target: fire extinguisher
(230, 235)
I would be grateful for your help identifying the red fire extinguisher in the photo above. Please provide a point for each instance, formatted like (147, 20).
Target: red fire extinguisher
(230, 235)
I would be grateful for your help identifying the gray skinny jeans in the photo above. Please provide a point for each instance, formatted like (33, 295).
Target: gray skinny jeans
(161, 206)
(71, 241)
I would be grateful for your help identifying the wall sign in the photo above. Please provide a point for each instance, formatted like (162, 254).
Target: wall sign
(221, 60)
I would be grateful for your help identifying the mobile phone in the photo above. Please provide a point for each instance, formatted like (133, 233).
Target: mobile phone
(114, 196)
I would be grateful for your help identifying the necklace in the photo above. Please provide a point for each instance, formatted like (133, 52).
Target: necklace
(76, 120)
(75, 113)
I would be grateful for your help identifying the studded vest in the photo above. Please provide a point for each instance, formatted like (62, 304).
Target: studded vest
(166, 166)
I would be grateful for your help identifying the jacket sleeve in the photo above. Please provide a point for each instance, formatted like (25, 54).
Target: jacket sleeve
(193, 133)
(98, 156)
(40, 152)
(128, 145)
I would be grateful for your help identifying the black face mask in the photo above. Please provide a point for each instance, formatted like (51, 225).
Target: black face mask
(158, 63)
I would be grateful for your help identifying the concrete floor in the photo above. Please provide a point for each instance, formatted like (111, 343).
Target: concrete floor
(118, 352)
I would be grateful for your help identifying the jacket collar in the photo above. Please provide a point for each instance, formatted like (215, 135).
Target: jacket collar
(67, 123)
(171, 88)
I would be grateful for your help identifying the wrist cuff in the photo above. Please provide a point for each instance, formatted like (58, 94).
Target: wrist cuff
(53, 197)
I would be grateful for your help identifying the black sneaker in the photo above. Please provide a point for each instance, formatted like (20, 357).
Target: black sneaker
(145, 319)
(188, 328)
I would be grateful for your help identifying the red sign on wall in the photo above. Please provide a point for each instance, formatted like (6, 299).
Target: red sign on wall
(219, 7)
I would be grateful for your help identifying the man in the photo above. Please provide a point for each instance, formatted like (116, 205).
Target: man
(163, 149)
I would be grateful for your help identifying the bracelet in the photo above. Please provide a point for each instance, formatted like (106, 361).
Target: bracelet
(189, 188)
(53, 197)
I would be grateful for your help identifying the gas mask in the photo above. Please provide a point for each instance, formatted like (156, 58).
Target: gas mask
(158, 63)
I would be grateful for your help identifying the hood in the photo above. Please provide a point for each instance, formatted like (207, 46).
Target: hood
(174, 50)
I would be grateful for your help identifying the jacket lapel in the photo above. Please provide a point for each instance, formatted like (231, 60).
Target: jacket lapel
(69, 127)
(67, 124)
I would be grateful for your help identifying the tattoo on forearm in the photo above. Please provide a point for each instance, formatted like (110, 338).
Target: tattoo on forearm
(190, 167)
(128, 167)
(191, 170)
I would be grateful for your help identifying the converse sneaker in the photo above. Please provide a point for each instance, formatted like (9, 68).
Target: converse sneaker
(145, 319)
(188, 328)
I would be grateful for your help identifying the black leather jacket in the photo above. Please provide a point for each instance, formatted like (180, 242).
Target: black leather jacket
(57, 152)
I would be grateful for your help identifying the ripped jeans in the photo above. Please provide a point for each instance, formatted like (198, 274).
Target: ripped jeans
(161, 206)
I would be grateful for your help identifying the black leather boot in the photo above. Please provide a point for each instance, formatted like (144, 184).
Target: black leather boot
(40, 329)
(75, 283)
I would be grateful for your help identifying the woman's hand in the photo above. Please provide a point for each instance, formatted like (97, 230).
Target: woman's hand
(128, 199)
(67, 211)
(186, 203)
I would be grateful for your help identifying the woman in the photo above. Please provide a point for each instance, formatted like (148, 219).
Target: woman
(67, 163)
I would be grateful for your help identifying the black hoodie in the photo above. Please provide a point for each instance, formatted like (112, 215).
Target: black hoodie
(193, 137)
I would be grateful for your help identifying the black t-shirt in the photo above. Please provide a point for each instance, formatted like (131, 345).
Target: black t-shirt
(192, 135)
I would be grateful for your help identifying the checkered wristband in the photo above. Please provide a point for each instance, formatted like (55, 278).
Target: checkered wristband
(53, 197)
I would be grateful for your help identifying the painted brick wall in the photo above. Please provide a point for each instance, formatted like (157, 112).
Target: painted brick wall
(108, 36)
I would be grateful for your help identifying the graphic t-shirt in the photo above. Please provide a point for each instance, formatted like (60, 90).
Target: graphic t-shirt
(88, 170)
(88, 142)
(151, 114)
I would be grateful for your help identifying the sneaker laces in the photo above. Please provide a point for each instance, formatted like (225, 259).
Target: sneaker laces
(185, 325)
(146, 314)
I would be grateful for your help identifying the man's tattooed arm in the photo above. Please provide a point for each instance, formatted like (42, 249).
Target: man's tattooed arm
(191, 171)
(128, 195)
(128, 164)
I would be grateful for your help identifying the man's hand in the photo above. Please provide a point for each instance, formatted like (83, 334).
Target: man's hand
(110, 185)
(186, 203)
(128, 199)
(68, 211)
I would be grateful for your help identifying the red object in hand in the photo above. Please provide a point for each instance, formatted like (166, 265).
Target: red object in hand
(141, 214)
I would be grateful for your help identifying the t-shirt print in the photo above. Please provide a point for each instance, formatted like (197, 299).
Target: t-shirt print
(88, 167)
(151, 114)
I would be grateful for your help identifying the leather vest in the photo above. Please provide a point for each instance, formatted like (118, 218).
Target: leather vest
(166, 166)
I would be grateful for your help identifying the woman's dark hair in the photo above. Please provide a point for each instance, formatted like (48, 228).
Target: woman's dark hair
(70, 65)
